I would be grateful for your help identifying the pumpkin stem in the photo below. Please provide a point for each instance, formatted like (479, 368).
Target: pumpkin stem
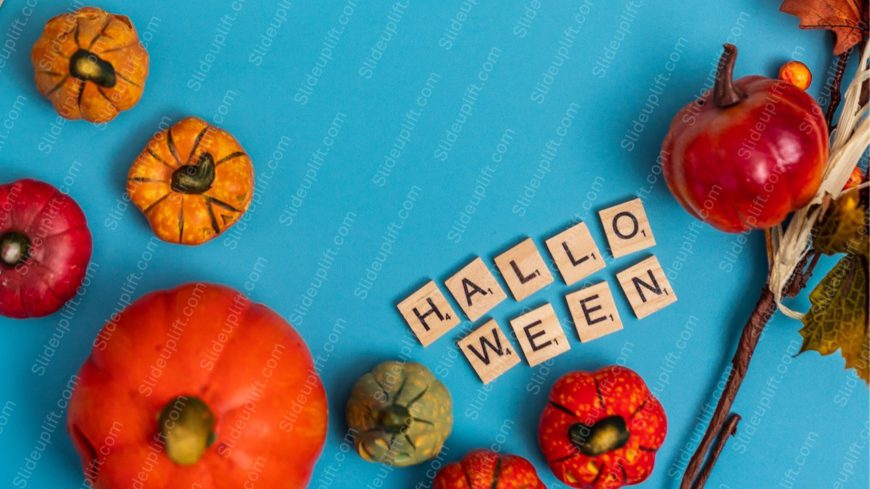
(610, 433)
(725, 92)
(395, 419)
(14, 248)
(187, 429)
(87, 66)
(196, 178)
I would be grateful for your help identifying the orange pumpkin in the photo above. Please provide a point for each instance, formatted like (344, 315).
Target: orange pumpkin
(485, 469)
(192, 182)
(198, 387)
(90, 64)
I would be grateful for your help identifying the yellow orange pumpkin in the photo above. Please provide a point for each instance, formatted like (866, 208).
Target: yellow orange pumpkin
(90, 64)
(192, 182)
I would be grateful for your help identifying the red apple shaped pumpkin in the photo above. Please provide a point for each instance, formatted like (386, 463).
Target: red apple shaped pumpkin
(747, 153)
(45, 247)
(602, 430)
(198, 387)
(485, 469)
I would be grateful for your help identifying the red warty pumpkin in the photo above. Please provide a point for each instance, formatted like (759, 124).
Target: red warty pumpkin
(45, 247)
(198, 387)
(602, 430)
(485, 469)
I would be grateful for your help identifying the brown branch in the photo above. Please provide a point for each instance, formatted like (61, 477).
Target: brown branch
(722, 425)
(842, 61)
(762, 313)
(728, 430)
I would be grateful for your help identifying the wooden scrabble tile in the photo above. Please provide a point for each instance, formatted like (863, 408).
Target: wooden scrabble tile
(594, 312)
(428, 313)
(540, 335)
(646, 287)
(627, 228)
(524, 269)
(475, 289)
(575, 253)
(488, 351)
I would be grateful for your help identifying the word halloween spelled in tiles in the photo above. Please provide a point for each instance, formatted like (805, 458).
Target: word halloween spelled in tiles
(539, 333)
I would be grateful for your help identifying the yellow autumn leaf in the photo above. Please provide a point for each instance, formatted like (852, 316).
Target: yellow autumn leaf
(837, 319)
(844, 227)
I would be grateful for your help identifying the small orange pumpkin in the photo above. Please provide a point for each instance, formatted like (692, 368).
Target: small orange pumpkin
(192, 182)
(90, 64)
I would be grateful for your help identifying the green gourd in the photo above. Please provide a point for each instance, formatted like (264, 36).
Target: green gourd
(399, 414)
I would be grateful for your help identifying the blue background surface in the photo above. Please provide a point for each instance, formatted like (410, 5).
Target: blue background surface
(805, 415)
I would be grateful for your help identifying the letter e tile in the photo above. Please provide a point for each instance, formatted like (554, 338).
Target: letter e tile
(627, 228)
(646, 287)
(475, 289)
(524, 269)
(488, 351)
(428, 313)
(594, 312)
(540, 335)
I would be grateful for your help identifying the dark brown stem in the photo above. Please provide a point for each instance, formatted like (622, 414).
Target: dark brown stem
(762, 313)
(727, 432)
(725, 91)
(802, 274)
(842, 61)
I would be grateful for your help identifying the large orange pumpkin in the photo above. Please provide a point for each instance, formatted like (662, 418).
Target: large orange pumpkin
(198, 387)
(192, 182)
(90, 64)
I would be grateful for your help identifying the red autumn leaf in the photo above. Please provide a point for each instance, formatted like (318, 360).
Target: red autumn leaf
(846, 18)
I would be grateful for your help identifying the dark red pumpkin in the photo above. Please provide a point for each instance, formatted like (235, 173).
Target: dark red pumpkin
(602, 430)
(485, 469)
(45, 247)
(198, 387)
(747, 153)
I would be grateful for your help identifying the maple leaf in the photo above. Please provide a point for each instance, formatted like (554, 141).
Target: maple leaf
(844, 228)
(846, 18)
(838, 317)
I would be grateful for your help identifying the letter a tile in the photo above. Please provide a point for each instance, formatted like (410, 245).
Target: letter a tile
(489, 352)
(627, 228)
(475, 289)
(524, 269)
(428, 313)
(540, 335)
(646, 287)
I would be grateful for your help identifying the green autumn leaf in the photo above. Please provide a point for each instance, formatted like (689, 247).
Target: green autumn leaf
(843, 229)
(838, 317)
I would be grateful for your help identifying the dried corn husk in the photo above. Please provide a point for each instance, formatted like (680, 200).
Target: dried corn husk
(849, 142)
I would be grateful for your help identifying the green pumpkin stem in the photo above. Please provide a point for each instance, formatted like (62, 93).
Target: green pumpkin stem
(725, 92)
(395, 419)
(610, 433)
(196, 178)
(87, 66)
(187, 429)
